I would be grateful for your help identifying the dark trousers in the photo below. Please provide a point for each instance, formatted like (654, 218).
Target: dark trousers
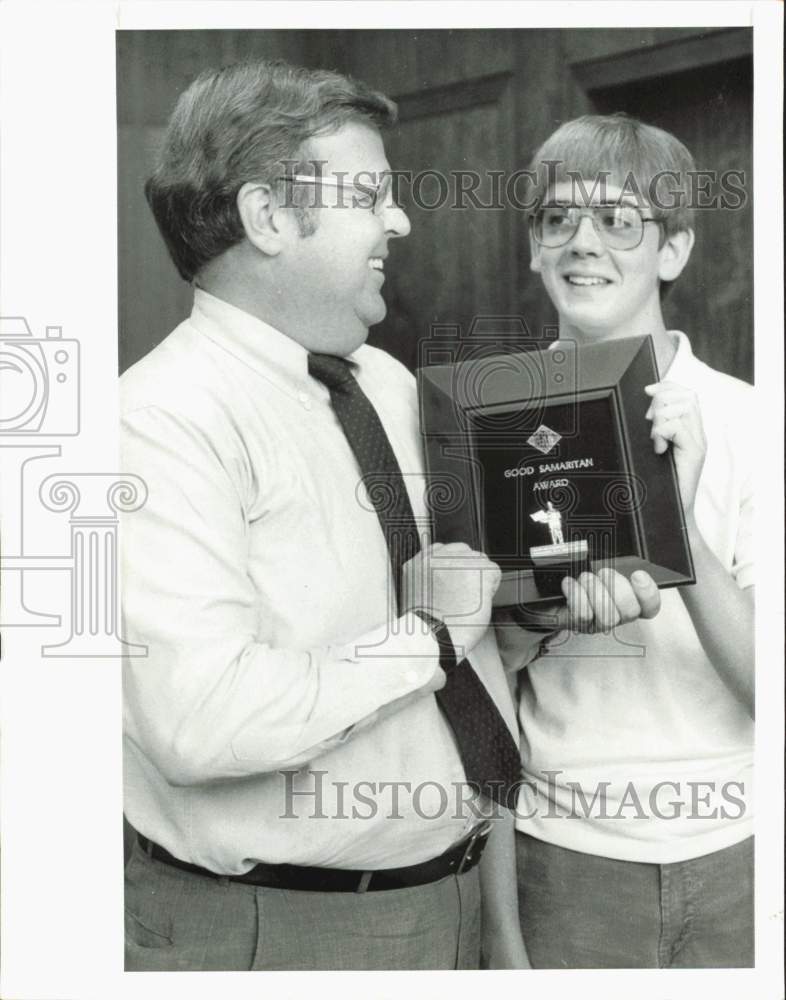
(580, 911)
(176, 920)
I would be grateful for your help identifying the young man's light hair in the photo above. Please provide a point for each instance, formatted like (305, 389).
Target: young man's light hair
(617, 150)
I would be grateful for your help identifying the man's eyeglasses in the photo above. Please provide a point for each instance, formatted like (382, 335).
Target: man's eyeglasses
(376, 197)
(620, 227)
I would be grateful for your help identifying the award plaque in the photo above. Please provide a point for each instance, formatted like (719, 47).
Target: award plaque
(543, 460)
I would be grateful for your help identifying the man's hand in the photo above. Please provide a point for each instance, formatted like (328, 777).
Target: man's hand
(457, 584)
(597, 602)
(676, 418)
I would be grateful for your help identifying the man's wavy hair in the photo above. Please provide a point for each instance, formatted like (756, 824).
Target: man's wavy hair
(238, 124)
(622, 149)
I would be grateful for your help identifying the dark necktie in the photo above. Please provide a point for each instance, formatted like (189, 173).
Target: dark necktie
(488, 752)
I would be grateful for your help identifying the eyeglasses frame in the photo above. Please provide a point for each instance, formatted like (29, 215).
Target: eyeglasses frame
(588, 212)
(371, 190)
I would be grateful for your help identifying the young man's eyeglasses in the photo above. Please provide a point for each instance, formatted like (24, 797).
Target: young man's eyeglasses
(376, 197)
(620, 227)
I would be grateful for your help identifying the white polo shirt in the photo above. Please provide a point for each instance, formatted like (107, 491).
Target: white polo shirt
(633, 746)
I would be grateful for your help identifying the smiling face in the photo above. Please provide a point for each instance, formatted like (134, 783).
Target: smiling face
(604, 293)
(334, 276)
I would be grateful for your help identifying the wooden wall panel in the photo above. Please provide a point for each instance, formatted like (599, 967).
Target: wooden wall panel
(453, 264)
(399, 61)
(153, 68)
(709, 110)
(153, 299)
(599, 43)
(542, 82)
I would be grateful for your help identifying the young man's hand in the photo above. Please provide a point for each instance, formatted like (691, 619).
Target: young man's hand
(676, 418)
(597, 602)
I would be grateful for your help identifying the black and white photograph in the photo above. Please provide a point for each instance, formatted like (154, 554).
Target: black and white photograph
(386, 465)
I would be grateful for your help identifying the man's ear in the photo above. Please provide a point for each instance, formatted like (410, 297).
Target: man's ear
(264, 225)
(534, 255)
(674, 254)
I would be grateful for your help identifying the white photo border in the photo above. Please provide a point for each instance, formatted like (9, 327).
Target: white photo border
(62, 886)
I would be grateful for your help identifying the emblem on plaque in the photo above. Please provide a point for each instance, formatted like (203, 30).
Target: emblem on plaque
(544, 439)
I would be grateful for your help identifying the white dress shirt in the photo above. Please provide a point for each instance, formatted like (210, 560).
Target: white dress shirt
(258, 577)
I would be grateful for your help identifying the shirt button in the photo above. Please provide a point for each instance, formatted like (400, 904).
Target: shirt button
(305, 400)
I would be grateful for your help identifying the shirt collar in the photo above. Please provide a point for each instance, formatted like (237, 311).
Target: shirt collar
(682, 360)
(252, 341)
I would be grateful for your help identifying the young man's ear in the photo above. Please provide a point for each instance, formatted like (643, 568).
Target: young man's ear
(674, 254)
(266, 227)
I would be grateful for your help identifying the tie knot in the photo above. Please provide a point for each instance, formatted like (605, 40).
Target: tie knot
(330, 370)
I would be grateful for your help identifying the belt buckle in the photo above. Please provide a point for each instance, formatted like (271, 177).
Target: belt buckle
(480, 831)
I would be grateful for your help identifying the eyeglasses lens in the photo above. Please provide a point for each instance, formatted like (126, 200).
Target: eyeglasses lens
(619, 226)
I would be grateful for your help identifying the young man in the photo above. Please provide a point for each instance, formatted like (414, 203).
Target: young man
(635, 831)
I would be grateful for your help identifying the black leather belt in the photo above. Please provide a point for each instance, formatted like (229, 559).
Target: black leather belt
(460, 858)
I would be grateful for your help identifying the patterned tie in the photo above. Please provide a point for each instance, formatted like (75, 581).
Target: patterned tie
(488, 752)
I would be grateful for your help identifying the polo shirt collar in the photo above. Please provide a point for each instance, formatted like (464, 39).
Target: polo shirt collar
(682, 362)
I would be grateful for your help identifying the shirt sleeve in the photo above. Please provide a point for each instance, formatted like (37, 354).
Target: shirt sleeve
(214, 698)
